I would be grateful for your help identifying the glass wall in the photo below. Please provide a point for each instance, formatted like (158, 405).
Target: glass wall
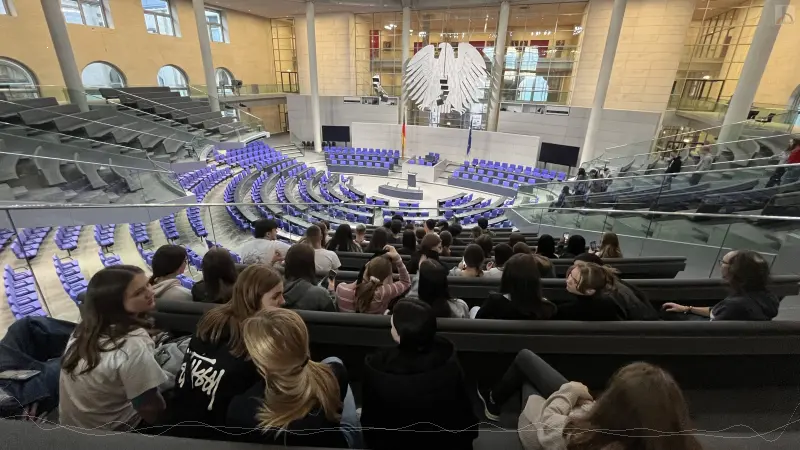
(543, 46)
(714, 52)
(285, 54)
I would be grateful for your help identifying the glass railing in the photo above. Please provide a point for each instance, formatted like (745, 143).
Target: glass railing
(238, 91)
(88, 237)
(639, 155)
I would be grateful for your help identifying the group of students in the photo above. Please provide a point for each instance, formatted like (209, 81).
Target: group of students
(247, 375)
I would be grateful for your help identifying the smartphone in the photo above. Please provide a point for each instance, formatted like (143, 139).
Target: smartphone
(565, 236)
(593, 246)
(332, 274)
(18, 375)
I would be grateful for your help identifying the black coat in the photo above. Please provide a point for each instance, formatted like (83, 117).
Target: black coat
(416, 391)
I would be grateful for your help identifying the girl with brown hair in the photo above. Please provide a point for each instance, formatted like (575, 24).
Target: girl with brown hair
(169, 261)
(642, 408)
(298, 402)
(373, 291)
(593, 290)
(217, 366)
(109, 375)
(609, 246)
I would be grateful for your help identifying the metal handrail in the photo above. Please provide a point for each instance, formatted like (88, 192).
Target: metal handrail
(527, 206)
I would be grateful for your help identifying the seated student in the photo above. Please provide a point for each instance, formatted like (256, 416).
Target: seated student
(169, 261)
(443, 225)
(109, 374)
(323, 227)
(375, 289)
(575, 246)
(219, 275)
(483, 224)
(456, 230)
(361, 235)
(431, 242)
(546, 246)
(396, 229)
(631, 300)
(609, 246)
(521, 247)
(486, 244)
(546, 268)
(263, 249)
(520, 296)
(409, 243)
(515, 237)
(324, 260)
(475, 233)
(471, 265)
(747, 274)
(592, 300)
(447, 241)
(300, 290)
(217, 366)
(640, 398)
(502, 252)
(296, 401)
(420, 233)
(414, 395)
(380, 239)
(434, 291)
(430, 226)
(342, 240)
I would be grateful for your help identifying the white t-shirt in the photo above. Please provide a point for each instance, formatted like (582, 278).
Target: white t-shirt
(102, 397)
(326, 260)
(260, 251)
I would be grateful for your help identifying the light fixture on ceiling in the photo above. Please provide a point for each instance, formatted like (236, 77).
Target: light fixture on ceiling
(390, 26)
(706, 77)
(577, 30)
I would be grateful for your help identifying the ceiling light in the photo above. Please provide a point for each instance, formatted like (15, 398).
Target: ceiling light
(706, 77)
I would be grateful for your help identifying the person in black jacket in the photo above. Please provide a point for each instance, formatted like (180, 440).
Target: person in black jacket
(674, 166)
(592, 302)
(219, 275)
(629, 298)
(520, 296)
(575, 245)
(747, 273)
(409, 243)
(414, 395)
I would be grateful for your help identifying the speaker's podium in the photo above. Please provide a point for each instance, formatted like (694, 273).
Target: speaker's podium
(412, 179)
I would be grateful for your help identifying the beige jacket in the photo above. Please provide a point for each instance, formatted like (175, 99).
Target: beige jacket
(541, 424)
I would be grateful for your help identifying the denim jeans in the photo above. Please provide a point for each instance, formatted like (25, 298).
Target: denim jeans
(530, 375)
(351, 424)
(34, 343)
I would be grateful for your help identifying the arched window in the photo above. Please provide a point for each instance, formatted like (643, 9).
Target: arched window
(16, 81)
(175, 78)
(102, 75)
(224, 81)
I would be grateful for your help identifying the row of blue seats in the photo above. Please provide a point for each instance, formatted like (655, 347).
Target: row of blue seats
(514, 168)
(104, 234)
(385, 164)
(66, 237)
(21, 294)
(212, 244)
(138, 233)
(423, 161)
(492, 180)
(27, 243)
(70, 276)
(360, 151)
(169, 228)
(452, 203)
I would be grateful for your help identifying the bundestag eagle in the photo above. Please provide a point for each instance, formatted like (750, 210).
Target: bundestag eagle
(447, 81)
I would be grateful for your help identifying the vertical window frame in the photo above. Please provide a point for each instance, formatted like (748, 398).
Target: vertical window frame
(221, 25)
(168, 15)
(99, 3)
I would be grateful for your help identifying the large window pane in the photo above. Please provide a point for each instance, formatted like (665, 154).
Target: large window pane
(165, 25)
(156, 6)
(213, 17)
(16, 80)
(102, 75)
(150, 23)
(216, 33)
(93, 14)
(175, 78)
(3, 8)
(72, 12)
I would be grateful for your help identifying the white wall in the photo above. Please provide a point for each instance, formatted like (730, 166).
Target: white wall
(617, 127)
(451, 143)
(333, 111)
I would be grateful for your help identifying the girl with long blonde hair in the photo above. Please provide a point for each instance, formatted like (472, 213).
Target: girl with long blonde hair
(299, 402)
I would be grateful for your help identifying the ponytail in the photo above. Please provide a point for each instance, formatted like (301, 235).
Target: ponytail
(364, 293)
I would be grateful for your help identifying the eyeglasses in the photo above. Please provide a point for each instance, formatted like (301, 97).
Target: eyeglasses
(723, 262)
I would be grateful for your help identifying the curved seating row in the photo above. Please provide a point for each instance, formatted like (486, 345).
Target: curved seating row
(111, 259)
(695, 352)
(361, 151)
(629, 268)
(138, 233)
(509, 169)
(70, 276)
(27, 243)
(377, 201)
(251, 151)
(21, 294)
